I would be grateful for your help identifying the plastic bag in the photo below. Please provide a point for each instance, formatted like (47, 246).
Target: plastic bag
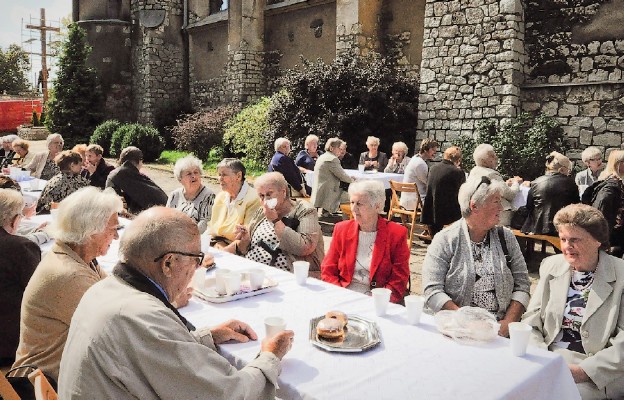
(468, 325)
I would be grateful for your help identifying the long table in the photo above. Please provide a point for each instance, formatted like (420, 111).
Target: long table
(383, 177)
(411, 362)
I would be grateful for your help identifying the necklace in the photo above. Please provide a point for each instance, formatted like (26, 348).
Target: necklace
(478, 248)
(585, 281)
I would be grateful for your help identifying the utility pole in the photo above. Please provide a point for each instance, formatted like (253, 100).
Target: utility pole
(44, 57)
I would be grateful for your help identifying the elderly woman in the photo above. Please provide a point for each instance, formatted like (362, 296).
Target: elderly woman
(43, 165)
(486, 162)
(7, 154)
(373, 159)
(86, 225)
(466, 262)
(398, 161)
(193, 198)
(592, 158)
(20, 257)
(31, 231)
(548, 194)
(21, 149)
(577, 308)
(234, 205)
(326, 190)
(65, 182)
(282, 231)
(368, 251)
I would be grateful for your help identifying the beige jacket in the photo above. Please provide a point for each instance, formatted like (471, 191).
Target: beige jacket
(35, 166)
(602, 329)
(328, 174)
(50, 299)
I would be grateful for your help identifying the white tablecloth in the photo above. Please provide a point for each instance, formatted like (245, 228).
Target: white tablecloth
(411, 361)
(521, 197)
(384, 177)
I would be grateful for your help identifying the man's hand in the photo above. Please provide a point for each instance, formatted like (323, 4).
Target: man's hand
(279, 344)
(233, 330)
(183, 298)
(208, 260)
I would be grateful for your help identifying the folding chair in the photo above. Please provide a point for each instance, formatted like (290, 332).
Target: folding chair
(43, 389)
(409, 218)
(6, 390)
(345, 208)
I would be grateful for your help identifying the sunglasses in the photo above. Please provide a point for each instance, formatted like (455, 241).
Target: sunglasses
(484, 180)
(199, 257)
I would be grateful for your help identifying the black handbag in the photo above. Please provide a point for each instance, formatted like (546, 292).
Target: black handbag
(21, 384)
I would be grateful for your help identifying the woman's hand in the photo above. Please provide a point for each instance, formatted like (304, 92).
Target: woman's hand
(243, 236)
(269, 212)
(578, 374)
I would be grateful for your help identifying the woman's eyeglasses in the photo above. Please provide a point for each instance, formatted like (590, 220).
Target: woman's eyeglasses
(484, 179)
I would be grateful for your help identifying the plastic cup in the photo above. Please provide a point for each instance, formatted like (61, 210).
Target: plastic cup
(414, 307)
(256, 278)
(199, 279)
(519, 333)
(205, 242)
(220, 280)
(361, 167)
(301, 269)
(381, 298)
(232, 283)
(274, 325)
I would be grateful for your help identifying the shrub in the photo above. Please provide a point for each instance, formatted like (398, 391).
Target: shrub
(144, 137)
(521, 144)
(166, 117)
(42, 118)
(350, 98)
(199, 133)
(103, 134)
(247, 135)
(35, 119)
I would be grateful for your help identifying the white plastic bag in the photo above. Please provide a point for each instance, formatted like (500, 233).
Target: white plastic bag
(468, 325)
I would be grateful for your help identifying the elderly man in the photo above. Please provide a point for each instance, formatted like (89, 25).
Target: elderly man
(286, 166)
(486, 161)
(6, 157)
(127, 341)
(417, 171)
(97, 166)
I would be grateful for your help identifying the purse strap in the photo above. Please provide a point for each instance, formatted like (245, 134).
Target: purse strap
(503, 242)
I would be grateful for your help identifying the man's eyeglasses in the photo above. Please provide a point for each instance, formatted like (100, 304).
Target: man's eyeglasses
(484, 179)
(596, 159)
(199, 257)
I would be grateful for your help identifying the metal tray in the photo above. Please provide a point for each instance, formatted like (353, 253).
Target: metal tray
(210, 292)
(361, 334)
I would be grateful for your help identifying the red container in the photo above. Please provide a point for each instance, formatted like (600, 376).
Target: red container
(15, 112)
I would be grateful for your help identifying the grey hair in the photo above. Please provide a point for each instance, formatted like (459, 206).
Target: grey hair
(557, 162)
(186, 163)
(401, 147)
(279, 142)
(332, 143)
(372, 139)
(53, 136)
(234, 164)
(311, 138)
(590, 153)
(481, 153)
(84, 213)
(373, 190)
(11, 204)
(474, 190)
(275, 179)
(10, 138)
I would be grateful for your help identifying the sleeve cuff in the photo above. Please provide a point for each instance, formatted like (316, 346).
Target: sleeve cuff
(437, 300)
(521, 297)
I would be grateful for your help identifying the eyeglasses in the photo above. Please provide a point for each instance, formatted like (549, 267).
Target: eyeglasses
(199, 257)
(595, 159)
(484, 179)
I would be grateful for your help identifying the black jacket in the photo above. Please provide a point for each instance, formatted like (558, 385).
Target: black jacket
(98, 179)
(441, 206)
(606, 196)
(548, 194)
(139, 191)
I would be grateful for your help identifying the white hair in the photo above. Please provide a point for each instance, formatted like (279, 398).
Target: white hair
(279, 142)
(373, 190)
(372, 140)
(311, 138)
(401, 147)
(185, 164)
(481, 154)
(589, 153)
(332, 143)
(84, 213)
(478, 190)
(53, 136)
(11, 204)
(275, 179)
(10, 138)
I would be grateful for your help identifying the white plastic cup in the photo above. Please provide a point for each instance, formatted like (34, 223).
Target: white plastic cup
(232, 283)
(274, 325)
(414, 307)
(256, 278)
(301, 269)
(361, 168)
(519, 333)
(199, 279)
(220, 280)
(381, 298)
(205, 242)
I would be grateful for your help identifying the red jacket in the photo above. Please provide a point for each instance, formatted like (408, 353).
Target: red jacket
(389, 263)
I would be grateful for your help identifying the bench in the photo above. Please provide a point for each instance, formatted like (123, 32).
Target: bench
(553, 240)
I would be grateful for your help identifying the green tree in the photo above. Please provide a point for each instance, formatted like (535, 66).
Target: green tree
(14, 67)
(75, 107)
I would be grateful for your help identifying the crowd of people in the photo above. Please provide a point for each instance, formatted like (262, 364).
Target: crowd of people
(68, 317)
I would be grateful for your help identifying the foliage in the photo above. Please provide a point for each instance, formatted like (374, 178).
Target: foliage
(247, 135)
(14, 65)
(144, 137)
(171, 156)
(74, 109)
(199, 133)
(350, 98)
(42, 117)
(103, 134)
(521, 144)
(166, 117)
(34, 120)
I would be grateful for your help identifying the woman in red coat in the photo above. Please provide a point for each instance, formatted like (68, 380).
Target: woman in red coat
(368, 251)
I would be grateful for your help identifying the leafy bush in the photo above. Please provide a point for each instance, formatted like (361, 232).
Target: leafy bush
(199, 133)
(350, 98)
(166, 117)
(521, 145)
(103, 134)
(35, 119)
(144, 137)
(247, 135)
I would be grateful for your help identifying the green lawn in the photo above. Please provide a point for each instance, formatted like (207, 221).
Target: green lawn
(169, 157)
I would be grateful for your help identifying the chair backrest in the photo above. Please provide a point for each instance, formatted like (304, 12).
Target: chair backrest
(43, 389)
(409, 187)
(6, 390)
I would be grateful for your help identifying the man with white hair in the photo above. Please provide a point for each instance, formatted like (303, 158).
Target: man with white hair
(127, 341)
(286, 166)
(6, 157)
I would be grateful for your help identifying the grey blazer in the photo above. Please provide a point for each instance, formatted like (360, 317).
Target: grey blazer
(602, 329)
(326, 190)
(449, 274)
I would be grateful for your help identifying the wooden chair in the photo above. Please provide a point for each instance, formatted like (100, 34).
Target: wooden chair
(6, 390)
(409, 218)
(345, 208)
(43, 389)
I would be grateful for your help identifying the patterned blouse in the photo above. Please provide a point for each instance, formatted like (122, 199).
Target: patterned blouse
(200, 208)
(264, 247)
(49, 170)
(569, 337)
(60, 186)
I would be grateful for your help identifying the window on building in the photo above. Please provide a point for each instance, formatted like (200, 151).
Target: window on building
(218, 5)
